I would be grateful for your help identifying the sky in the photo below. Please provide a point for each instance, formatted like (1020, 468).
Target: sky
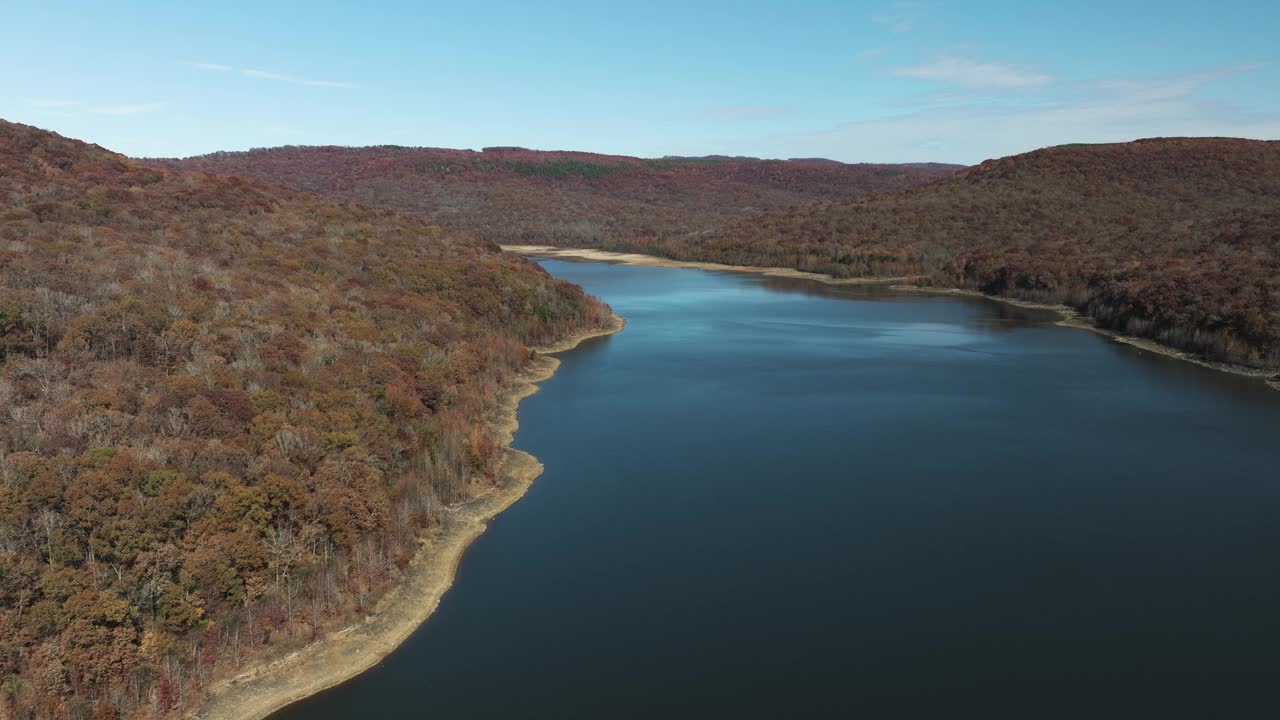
(900, 81)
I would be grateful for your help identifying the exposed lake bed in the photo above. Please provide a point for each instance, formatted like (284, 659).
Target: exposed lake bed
(772, 497)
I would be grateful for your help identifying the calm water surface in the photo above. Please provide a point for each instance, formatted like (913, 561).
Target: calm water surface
(775, 499)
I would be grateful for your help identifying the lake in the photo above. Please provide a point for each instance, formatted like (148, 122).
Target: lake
(772, 498)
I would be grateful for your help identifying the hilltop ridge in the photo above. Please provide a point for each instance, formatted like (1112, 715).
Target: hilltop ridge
(512, 195)
(1174, 239)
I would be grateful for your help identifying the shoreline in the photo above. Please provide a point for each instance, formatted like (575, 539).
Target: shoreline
(654, 261)
(1070, 317)
(341, 655)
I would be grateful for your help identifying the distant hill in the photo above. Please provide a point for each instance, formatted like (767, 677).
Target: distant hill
(512, 195)
(1176, 239)
(229, 409)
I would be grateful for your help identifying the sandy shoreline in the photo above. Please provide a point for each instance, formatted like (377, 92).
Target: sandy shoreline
(655, 261)
(1070, 316)
(339, 656)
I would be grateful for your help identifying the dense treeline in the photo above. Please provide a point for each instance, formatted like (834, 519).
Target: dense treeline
(229, 412)
(1172, 239)
(518, 196)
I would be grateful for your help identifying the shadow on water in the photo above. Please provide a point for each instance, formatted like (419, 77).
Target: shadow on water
(997, 316)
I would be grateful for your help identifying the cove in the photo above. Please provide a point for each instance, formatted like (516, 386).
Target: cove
(773, 498)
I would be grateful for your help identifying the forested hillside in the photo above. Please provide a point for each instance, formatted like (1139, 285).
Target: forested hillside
(517, 196)
(229, 412)
(1172, 239)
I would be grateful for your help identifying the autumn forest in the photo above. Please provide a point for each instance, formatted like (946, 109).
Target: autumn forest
(230, 411)
(1176, 239)
(516, 196)
(237, 390)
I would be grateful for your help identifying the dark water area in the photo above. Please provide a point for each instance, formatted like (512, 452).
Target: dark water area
(774, 499)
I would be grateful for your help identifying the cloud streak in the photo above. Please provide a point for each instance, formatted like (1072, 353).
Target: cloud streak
(1115, 110)
(975, 74)
(900, 17)
(53, 104)
(70, 108)
(136, 109)
(265, 75)
(740, 113)
(268, 75)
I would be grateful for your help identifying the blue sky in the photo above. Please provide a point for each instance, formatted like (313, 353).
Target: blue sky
(909, 81)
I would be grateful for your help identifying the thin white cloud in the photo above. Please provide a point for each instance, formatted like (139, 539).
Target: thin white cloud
(871, 52)
(975, 74)
(213, 66)
(265, 75)
(1108, 111)
(900, 17)
(1171, 87)
(52, 104)
(741, 113)
(136, 109)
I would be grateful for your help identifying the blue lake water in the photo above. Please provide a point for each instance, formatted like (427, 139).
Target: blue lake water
(771, 498)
